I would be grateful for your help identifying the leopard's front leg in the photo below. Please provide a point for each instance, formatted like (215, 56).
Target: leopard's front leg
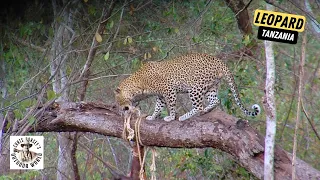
(171, 98)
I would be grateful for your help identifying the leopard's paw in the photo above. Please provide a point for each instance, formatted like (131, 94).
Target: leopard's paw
(150, 118)
(168, 118)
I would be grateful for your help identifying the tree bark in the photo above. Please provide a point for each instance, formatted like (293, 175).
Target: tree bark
(63, 38)
(300, 95)
(216, 129)
(315, 26)
(3, 94)
(270, 108)
(240, 10)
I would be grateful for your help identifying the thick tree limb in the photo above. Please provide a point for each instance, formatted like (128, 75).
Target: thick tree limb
(239, 8)
(242, 15)
(216, 129)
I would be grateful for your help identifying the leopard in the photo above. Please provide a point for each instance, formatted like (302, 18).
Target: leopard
(197, 74)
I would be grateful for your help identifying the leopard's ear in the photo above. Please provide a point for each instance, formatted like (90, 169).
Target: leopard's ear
(117, 91)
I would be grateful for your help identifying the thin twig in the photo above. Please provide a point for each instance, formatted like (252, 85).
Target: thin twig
(73, 156)
(25, 43)
(108, 76)
(113, 152)
(310, 121)
(113, 170)
(287, 118)
(300, 93)
(142, 6)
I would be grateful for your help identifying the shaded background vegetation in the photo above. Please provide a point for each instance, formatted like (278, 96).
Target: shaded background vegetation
(140, 31)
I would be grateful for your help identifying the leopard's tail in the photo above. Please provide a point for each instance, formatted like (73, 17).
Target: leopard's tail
(230, 80)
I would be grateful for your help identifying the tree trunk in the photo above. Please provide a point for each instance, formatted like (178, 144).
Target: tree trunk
(240, 10)
(244, 24)
(216, 129)
(59, 55)
(300, 95)
(3, 93)
(270, 109)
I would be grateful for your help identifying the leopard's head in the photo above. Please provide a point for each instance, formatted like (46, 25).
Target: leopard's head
(125, 95)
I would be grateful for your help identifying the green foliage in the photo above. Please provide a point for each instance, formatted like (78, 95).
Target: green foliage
(110, 25)
(226, 99)
(136, 64)
(128, 40)
(205, 162)
(32, 119)
(26, 175)
(18, 113)
(243, 173)
(92, 10)
(30, 28)
(51, 95)
(106, 56)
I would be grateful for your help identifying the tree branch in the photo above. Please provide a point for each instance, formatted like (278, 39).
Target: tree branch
(93, 49)
(216, 129)
(29, 44)
(242, 15)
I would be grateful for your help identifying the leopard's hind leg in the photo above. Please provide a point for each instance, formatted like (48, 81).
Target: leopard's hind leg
(212, 97)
